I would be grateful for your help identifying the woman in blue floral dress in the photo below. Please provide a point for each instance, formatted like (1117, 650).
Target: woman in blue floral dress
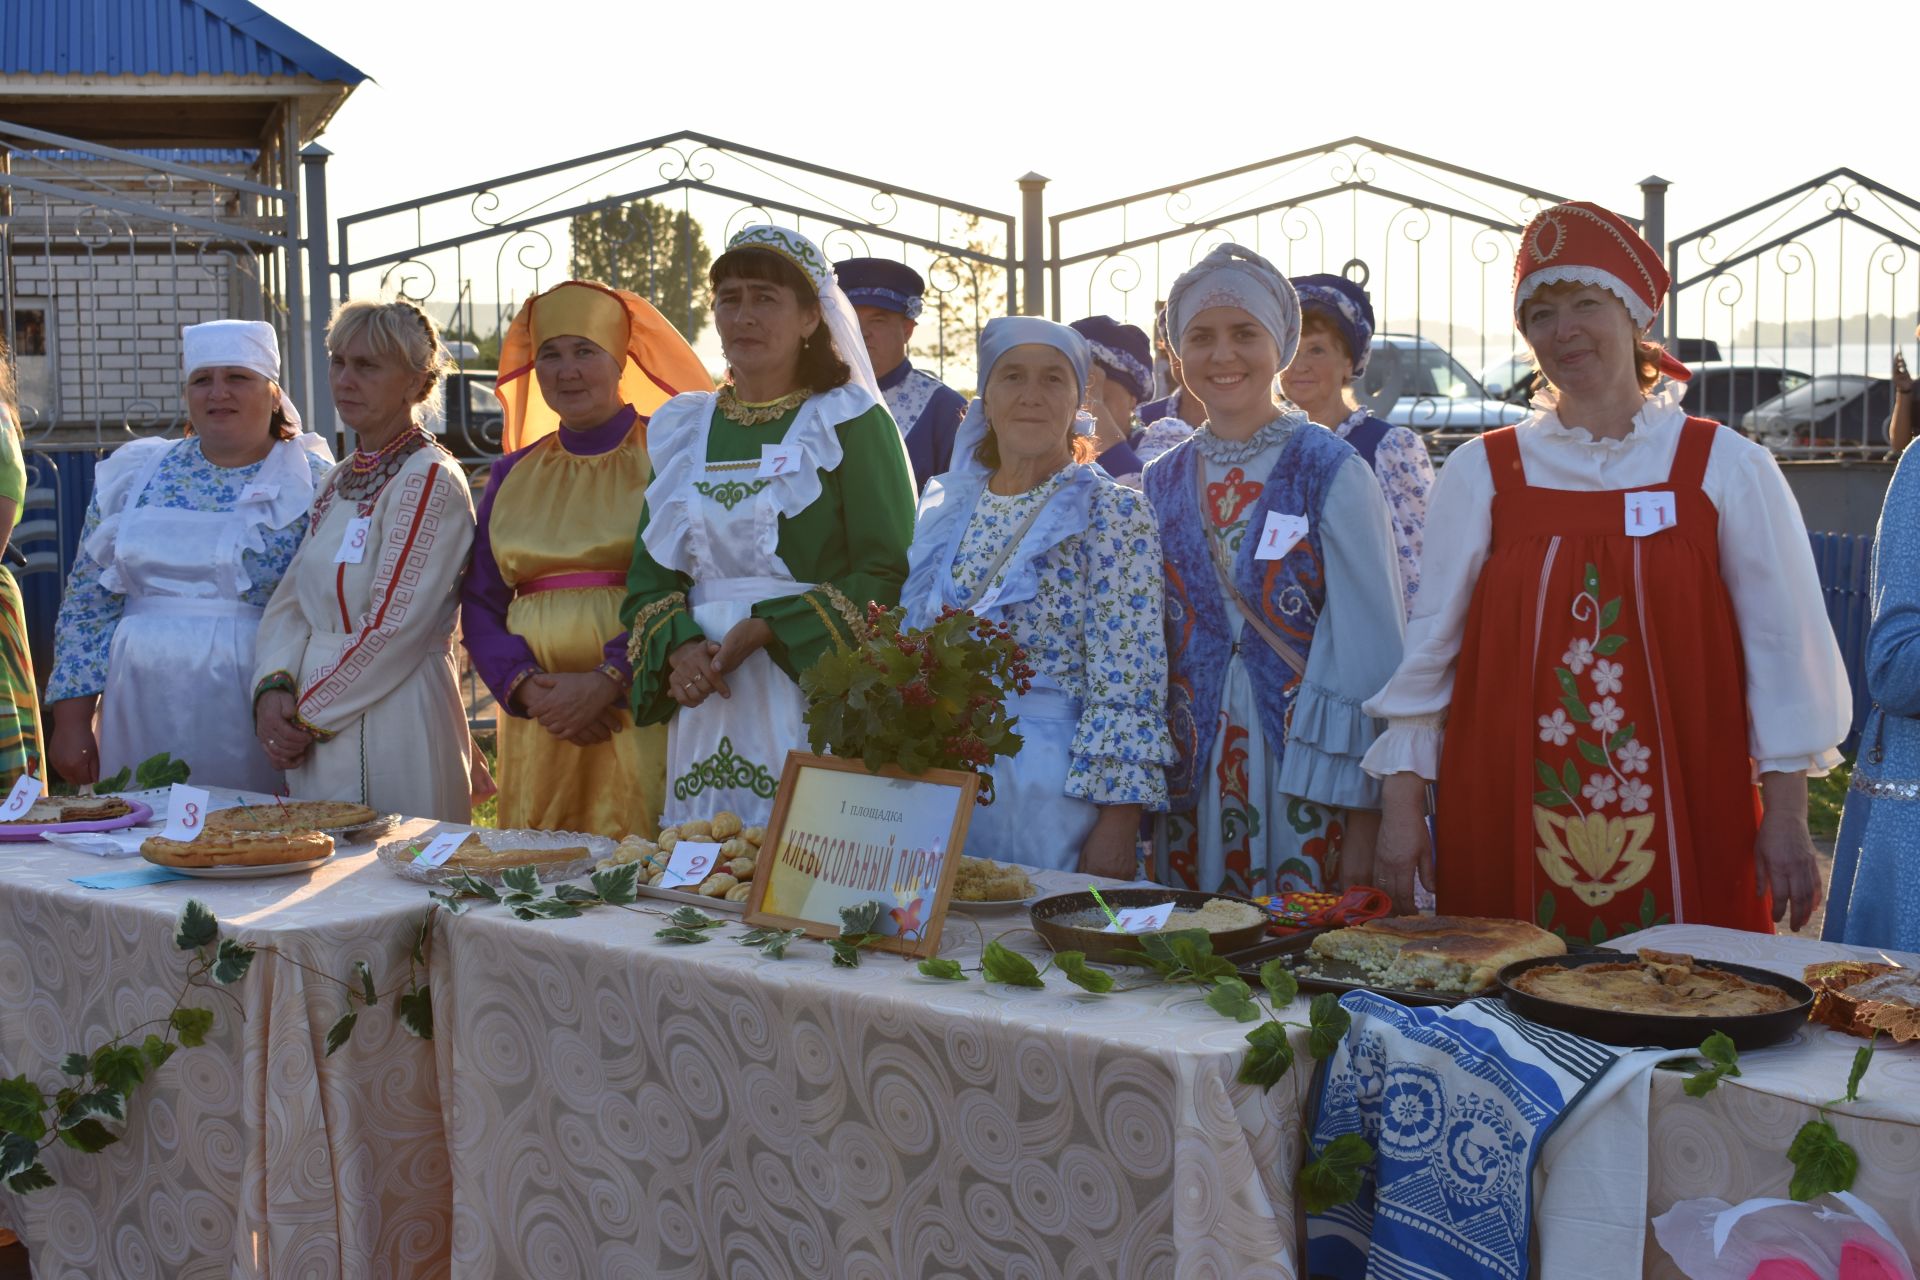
(1336, 336)
(1026, 531)
(1874, 899)
(184, 543)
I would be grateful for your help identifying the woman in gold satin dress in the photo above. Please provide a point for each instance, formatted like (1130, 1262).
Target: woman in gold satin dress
(540, 609)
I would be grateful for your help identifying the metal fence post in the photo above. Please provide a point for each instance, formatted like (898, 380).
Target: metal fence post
(1033, 254)
(313, 171)
(1653, 225)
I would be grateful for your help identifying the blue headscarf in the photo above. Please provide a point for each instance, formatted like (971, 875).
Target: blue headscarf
(1235, 276)
(1003, 334)
(1347, 305)
(949, 500)
(1122, 350)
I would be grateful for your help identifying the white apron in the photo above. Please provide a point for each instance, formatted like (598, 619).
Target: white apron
(179, 672)
(727, 753)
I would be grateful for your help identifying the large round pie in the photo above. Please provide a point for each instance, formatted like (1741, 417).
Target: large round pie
(237, 848)
(291, 815)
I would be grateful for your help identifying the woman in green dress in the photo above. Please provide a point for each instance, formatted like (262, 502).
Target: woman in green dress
(19, 707)
(780, 506)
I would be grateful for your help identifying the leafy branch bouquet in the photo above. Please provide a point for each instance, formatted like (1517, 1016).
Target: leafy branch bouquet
(933, 698)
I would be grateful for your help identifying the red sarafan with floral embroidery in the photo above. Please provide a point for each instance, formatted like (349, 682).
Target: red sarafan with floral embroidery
(1595, 776)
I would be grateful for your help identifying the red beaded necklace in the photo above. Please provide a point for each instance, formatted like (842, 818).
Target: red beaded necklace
(363, 463)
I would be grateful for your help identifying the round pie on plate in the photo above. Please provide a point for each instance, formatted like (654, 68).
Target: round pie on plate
(237, 848)
(292, 815)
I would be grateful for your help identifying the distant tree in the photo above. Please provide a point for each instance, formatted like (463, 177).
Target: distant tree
(962, 295)
(653, 251)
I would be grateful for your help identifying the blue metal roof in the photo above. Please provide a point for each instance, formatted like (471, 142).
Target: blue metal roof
(158, 37)
(178, 155)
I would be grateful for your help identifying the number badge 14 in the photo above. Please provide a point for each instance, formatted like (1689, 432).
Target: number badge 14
(186, 812)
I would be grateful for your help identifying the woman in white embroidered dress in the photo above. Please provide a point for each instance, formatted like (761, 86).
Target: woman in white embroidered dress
(184, 543)
(355, 693)
(1025, 530)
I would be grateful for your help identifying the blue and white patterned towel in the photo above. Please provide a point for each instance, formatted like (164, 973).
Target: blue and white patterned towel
(1457, 1105)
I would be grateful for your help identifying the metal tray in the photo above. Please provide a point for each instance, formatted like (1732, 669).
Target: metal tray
(1329, 975)
(1670, 1031)
(1107, 948)
(1340, 977)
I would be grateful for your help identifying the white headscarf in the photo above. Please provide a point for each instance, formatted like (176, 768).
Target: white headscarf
(843, 326)
(245, 344)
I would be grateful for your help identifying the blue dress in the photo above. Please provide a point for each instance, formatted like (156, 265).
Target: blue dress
(1874, 900)
(1073, 566)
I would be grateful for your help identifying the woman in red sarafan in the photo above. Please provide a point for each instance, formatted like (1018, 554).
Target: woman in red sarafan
(1619, 631)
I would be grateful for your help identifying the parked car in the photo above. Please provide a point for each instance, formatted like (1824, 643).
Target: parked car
(1827, 412)
(1510, 380)
(1430, 390)
(473, 421)
(1726, 392)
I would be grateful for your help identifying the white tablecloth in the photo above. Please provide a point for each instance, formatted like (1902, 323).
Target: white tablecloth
(254, 1155)
(622, 1107)
(1733, 1142)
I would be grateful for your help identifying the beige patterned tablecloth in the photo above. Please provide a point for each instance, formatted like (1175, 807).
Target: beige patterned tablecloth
(255, 1155)
(1732, 1144)
(622, 1107)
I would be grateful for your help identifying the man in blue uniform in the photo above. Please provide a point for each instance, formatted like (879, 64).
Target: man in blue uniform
(887, 297)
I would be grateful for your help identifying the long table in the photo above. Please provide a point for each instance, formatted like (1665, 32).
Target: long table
(255, 1154)
(622, 1107)
(597, 1102)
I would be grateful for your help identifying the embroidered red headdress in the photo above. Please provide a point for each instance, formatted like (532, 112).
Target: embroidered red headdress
(1582, 243)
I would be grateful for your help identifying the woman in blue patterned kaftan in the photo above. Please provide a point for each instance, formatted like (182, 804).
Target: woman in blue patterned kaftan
(1023, 531)
(1283, 605)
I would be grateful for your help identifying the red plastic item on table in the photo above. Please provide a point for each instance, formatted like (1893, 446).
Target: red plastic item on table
(1292, 912)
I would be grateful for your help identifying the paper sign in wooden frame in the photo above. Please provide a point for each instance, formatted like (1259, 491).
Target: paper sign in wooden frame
(841, 835)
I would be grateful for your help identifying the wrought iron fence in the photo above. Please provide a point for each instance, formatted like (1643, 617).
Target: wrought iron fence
(1432, 242)
(1806, 295)
(647, 217)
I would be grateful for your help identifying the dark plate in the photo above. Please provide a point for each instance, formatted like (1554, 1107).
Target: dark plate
(1670, 1031)
(1105, 948)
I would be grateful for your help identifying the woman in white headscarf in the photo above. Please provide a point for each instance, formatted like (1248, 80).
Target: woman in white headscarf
(780, 506)
(1026, 531)
(184, 543)
(1283, 604)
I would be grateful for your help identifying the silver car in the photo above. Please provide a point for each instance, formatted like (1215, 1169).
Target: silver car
(1412, 382)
